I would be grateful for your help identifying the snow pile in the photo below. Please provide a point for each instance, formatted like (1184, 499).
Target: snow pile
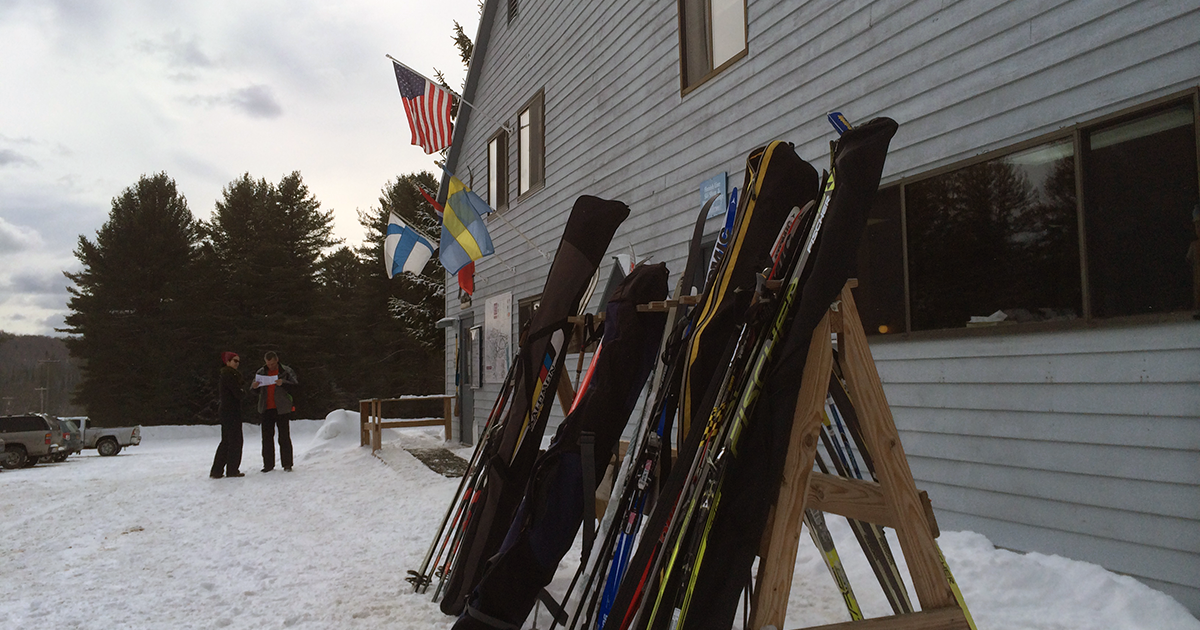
(1013, 590)
(340, 429)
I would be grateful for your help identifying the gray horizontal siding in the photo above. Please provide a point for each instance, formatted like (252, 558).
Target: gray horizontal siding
(1085, 443)
(1082, 443)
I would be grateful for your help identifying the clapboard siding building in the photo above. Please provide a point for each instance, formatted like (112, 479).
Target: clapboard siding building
(1025, 275)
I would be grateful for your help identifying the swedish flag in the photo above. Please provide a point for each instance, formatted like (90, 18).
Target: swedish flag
(464, 235)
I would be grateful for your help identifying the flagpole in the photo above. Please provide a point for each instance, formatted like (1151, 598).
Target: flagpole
(462, 100)
(531, 243)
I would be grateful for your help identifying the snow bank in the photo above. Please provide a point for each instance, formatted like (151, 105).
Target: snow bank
(1034, 590)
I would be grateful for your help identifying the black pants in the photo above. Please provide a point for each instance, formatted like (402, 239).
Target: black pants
(229, 451)
(270, 420)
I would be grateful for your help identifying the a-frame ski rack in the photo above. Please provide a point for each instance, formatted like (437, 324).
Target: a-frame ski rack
(892, 502)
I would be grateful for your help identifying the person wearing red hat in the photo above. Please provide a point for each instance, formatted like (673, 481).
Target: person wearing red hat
(229, 408)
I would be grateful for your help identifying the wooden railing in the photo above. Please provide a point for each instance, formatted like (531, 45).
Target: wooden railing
(371, 424)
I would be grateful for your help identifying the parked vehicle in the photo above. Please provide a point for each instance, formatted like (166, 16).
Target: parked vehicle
(72, 439)
(107, 441)
(28, 438)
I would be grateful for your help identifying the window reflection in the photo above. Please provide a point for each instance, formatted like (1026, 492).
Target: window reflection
(1139, 192)
(880, 267)
(996, 242)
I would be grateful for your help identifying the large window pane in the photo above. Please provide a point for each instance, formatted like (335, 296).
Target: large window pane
(880, 267)
(498, 171)
(524, 124)
(531, 158)
(1139, 191)
(711, 33)
(997, 236)
(728, 29)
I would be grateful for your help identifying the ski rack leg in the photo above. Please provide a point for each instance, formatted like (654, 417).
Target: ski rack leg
(893, 502)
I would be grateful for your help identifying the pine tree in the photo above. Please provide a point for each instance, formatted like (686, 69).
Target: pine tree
(131, 308)
(402, 349)
(266, 243)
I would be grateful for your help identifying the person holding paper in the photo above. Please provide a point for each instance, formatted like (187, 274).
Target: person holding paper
(274, 404)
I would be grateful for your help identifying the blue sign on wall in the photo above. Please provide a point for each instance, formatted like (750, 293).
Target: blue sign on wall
(714, 185)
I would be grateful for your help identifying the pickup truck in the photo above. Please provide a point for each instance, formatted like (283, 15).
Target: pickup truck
(105, 440)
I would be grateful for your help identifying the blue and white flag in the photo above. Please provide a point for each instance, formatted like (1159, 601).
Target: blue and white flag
(404, 248)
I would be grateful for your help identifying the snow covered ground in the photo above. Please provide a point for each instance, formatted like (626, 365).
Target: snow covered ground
(147, 540)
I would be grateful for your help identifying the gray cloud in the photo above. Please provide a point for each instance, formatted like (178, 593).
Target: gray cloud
(8, 157)
(256, 101)
(41, 283)
(15, 238)
(180, 52)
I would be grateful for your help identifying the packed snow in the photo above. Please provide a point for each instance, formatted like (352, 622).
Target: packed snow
(147, 540)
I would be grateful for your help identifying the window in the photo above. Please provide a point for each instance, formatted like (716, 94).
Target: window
(712, 36)
(498, 171)
(1009, 240)
(1001, 235)
(531, 151)
(525, 309)
(512, 10)
(880, 268)
(1139, 191)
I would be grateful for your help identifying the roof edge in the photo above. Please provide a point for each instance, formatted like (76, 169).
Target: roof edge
(464, 113)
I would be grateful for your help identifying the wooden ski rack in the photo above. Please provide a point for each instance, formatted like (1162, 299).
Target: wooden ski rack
(892, 502)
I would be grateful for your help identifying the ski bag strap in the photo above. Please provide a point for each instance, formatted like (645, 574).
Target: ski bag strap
(556, 610)
(489, 620)
(587, 456)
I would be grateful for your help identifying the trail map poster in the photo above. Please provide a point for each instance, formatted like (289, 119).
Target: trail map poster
(497, 337)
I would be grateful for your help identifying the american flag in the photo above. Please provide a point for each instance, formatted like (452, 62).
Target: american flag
(428, 109)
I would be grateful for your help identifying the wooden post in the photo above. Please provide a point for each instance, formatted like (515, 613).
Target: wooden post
(364, 412)
(376, 430)
(891, 465)
(775, 582)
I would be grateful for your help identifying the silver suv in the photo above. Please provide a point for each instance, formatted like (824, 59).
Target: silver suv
(28, 438)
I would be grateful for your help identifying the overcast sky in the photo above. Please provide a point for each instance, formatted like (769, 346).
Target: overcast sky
(94, 94)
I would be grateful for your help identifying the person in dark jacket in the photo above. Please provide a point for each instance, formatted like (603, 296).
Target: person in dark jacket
(274, 404)
(229, 408)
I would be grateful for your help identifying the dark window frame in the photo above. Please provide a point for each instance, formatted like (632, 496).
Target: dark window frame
(1075, 134)
(525, 309)
(498, 185)
(687, 34)
(536, 106)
